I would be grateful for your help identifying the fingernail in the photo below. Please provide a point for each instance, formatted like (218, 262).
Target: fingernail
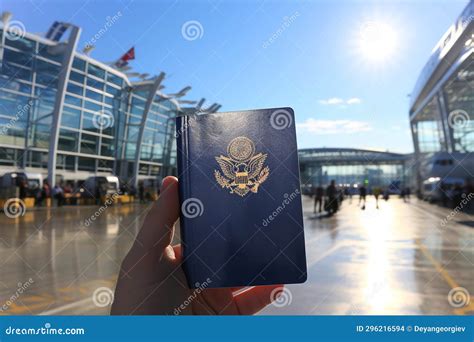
(164, 183)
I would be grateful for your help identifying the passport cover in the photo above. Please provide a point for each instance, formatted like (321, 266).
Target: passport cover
(241, 215)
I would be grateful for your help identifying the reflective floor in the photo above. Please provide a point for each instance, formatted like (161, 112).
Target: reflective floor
(398, 259)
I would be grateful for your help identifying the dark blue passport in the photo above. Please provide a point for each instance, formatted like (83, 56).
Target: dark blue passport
(241, 215)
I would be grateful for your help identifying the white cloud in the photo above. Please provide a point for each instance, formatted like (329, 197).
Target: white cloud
(353, 100)
(339, 101)
(333, 126)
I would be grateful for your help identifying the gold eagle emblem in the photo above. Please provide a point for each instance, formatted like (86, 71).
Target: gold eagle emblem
(242, 169)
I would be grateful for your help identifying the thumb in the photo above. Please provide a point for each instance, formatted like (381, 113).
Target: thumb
(158, 227)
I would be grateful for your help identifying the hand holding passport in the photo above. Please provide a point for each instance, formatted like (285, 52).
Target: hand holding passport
(241, 221)
(152, 281)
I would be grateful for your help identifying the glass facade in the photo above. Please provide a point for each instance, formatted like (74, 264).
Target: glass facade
(459, 98)
(442, 106)
(446, 121)
(102, 117)
(350, 167)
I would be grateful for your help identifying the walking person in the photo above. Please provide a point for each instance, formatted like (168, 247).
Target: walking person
(332, 201)
(45, 193)
(318, 198)
(348, 193)
(362, 195)
(444, 194)
(403, 195)
(407, 193)
(23, 189)
(141, 192)
(58, 193)
(386, 194)
(377, 191)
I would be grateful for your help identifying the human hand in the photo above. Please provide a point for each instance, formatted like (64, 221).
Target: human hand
(152, 282)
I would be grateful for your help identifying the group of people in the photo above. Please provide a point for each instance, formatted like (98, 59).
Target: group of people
(45, 192)
(331, 197)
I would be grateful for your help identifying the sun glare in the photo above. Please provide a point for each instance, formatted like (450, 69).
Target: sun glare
(377, 41)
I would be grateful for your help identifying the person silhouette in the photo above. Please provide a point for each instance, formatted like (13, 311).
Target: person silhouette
(362, 196)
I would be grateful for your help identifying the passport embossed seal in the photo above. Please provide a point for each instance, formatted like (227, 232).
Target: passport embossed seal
(242, 170)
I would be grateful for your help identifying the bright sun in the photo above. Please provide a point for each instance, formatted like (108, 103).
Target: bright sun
(377, 41)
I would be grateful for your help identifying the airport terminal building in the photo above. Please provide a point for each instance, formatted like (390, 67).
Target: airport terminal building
(442, 106)
(66, 115)
(350, 167)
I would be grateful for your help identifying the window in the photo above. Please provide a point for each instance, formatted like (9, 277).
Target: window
(112, 91)
(22, 58)
(71, 117)
(86, 164)
(459, 96)
(73, 101)
(68, 140)
(37, 159)
(107, 147)
(89, 143)
(89, 122)
(93, 95)
(96, 71)
(79, 64)
(23, 44)
(65, 162)
(75, 89)
(93, 106)
(16, 72)
(429, 128)
(50, 52)
(114, 79)
(77, 77)
(7, 156)
(95, 84)
(145, 152)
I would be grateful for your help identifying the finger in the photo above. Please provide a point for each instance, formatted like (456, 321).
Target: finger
(157, 229)
(255, 299)
(178, 253)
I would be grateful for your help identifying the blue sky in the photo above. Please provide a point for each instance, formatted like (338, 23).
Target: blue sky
(262, 54)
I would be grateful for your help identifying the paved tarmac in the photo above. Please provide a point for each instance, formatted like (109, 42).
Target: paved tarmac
(399, 259)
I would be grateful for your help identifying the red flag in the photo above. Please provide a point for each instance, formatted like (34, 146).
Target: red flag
(129, 55)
